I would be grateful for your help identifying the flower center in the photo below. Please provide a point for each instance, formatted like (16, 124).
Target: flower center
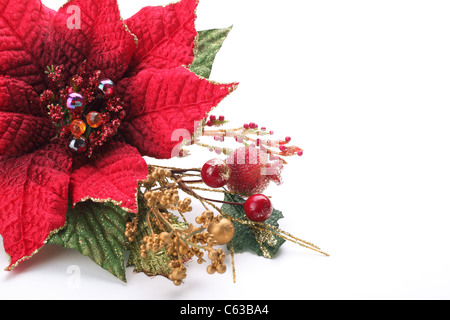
(85, 111)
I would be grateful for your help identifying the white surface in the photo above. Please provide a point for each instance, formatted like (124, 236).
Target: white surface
(363, 87)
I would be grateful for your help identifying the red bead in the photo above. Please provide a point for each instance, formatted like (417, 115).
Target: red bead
(258, 208)
(215, 173)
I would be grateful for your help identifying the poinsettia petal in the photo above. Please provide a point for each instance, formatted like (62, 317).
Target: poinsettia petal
(19, 97)
(34, 189)
(23, 31)
(90, 30)
(164, 106)
(166, 35)
(111, 175)
(21, 133)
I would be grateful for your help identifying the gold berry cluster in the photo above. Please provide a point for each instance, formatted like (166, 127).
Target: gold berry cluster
(169, 230)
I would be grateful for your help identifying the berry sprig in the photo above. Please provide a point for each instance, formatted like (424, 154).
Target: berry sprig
(181, 242)
(249, 134)
(216, 173)
(169, 231)
(215, 121)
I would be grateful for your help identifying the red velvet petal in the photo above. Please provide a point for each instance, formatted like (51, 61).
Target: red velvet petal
(17, 96)
(161, 102)
(21, 133)
(90, 30)
(166, 35)
(33, 203)
(112, 174)
(23, 32)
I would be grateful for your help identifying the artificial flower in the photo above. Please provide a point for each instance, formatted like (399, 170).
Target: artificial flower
(147, 57)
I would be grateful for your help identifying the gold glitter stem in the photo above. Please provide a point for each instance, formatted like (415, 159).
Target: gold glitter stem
(288, 235)
(232, 261)
(214, 190)
(149, 223)
(257, 225)
(276, 231)
(176, 170)
(157, 213)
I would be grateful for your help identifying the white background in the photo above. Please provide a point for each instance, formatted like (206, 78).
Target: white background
(363, 87)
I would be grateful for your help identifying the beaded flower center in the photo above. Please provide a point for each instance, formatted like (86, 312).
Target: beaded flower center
(85, 111)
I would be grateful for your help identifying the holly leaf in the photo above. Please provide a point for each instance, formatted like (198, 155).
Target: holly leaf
(246, 236)
(209, 44)
(155, 263)
(96, 230)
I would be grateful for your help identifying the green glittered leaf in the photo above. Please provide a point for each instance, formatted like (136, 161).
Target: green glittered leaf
(248, 238)
(96, 230)
(155, 263)
(209, 44)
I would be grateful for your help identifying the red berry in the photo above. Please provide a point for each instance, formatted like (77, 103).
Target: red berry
(215, 173)
(258, 208)
(251, 171)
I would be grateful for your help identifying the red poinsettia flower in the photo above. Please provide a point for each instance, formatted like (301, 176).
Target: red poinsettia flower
(147, 57)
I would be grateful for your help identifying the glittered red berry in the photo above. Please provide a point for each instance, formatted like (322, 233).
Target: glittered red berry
(258, 208)
(251, 171)
(215, 173)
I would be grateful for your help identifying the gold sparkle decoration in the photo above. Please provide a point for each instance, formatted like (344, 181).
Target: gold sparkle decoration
(167, 232)
(162, 214)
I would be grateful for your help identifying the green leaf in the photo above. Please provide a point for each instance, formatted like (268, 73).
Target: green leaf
(248, 238)
(209, 44)
(96, 230)
(155, 263)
